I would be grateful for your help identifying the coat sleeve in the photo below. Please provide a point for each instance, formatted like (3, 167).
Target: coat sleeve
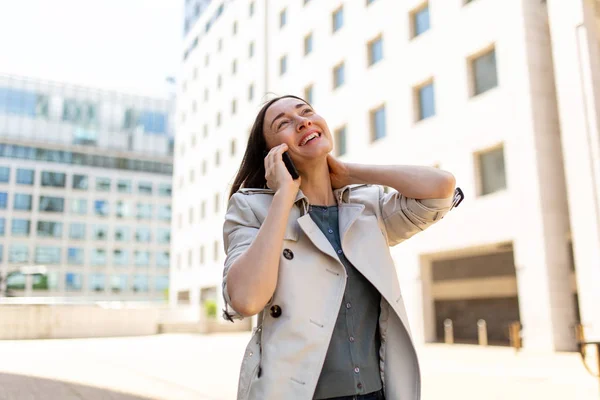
(404, 217)
(239, 230)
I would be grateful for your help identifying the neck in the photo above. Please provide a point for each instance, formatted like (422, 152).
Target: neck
(316, 184)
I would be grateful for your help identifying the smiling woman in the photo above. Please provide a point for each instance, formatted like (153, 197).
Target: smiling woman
(311, 257)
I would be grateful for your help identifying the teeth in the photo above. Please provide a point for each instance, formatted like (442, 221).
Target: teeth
(309, 137)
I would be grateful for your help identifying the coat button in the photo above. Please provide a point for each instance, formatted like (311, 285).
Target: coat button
(275, 311)
(287, 253)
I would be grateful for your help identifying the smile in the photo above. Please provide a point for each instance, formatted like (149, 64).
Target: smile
(309, 137)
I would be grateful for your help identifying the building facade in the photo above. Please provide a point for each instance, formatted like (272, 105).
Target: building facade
(492, 91)
(85, 191)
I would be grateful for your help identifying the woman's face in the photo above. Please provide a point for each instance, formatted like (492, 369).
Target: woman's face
(295, 123)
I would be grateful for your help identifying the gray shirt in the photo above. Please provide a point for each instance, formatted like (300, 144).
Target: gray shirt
(352, 362)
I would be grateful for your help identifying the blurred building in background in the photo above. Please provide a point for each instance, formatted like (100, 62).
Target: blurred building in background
(85, 191)
(503, 94)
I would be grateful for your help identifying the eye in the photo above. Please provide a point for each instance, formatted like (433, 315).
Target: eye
(307, 111)
(281, 124)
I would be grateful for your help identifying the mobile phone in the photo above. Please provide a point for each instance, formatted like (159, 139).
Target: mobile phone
(287, 160)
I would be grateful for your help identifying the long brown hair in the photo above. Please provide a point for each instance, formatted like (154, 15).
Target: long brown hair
(251, 173)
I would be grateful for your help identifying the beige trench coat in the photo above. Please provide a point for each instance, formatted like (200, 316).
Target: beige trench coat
(310, 288)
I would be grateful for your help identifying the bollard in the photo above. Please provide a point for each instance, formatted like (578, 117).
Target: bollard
(515, 335)
(448, 331)
(482, 332)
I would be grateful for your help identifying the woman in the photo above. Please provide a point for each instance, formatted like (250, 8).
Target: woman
(313, 253)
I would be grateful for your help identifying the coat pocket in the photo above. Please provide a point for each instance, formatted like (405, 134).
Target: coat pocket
(250, 365)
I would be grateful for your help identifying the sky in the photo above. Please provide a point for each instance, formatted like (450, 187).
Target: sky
(126, 45)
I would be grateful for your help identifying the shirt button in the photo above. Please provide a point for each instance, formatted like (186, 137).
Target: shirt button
(348, 305)
(330, 231)
(339, 251)
(357, 370)
(352, 339)
(359, 385)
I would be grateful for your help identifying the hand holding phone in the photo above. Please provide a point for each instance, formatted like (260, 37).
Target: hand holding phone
(287, 160)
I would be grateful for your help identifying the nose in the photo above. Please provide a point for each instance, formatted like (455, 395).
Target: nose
(302, 123)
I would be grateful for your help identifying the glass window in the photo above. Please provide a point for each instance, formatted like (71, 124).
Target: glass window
(339, 75)
(79, 206)
(492, 173)
(145, 187)
(54, 179)
(124, 186)
(20, 227)
(103, 184)
(49, 229)
(140, 283)
(165, 190)
(2, 226)
(25, 176)
(123, 210)
(420, 20)
(52, 204)
(4, 201)
(282, 65)
(340, 141)
(122, 234)
(162, 259)
(143, 234)
(251, 92)
(73, 281)
(378, 123)
(22, 201)
(161, 283)
(80, 182)
(97, 282)
(1, 253)
(75, 256)
(426, 99)
(101, 208)
(251, 50)
(144, 211)
(484, 72)
(120, 257)
(251, 9)
(98, 257)
(100, 232)
(77, 230)
(18, 253)
(308, 44)
(308, 93)
(47, 254)
(118, 283)
(282, 18)
(338, 19)
(216, 251)
(142, 258)
(375, 50)
(4, 174)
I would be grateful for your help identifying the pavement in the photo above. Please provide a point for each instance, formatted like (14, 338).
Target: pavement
(205, 367)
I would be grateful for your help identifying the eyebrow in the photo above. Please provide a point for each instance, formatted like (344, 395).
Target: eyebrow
(299, 105)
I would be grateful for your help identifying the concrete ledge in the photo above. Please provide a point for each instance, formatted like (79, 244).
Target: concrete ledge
(208, 326)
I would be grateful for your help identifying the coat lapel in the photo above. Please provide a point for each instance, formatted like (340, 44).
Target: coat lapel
(312, 231)
(348, 214)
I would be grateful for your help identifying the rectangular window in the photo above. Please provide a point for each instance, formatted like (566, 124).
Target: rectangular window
(425, 101)
(101, 208)
(161, 283)
(162, 259)
(216, 251)
(20, 227)
(140, 283)
(420, 20)
(164, 212)
(54, 179)
(80, 182)
(308, 44)
(340, 141)
(217, 202)
(145, 188)
(251, 9)
(163, 236)
(233, 106)
(4, 201)
(165, 190)
(100, 232)
(25, 176)
(52, 204)
(483, 72)
(118, 283)
(251, 50)
(190, 258)
(22, 201)
(143, 234)
(79, 206)
(282, 18)
(492, 172)
(123, 210)
(378, 123)
(103, 184)
(203, 210)
(97, 282)
(250, 92)
(308, 94)
(2, 226)
(282, 65)
(98, 257)
(144, 211)
(142, 258)
(77, 231)
(47, 254)
(73, 281)
(337, 19)
(120, 257)
(375, 50)
(4, 174)
(18, 253)
(49, 229)
(339, 75)
(75, 256)
(122, 234)
(124, 186)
